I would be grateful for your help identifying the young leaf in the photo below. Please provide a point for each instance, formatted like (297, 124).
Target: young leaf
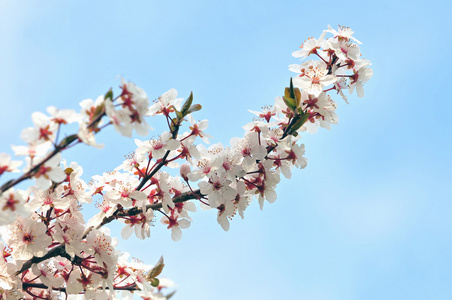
(292, 94)
(170, 295)
(297, 96)
(68, 171)
(290, 102)
(297, 122)
(179, 114)
(67, 140)
(154, 282)
(157, 269)
(287, 92)
(187, 104)
(109, 95)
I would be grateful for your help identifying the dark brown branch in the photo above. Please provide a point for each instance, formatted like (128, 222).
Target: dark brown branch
(181, 198)
(57, 251)
(27, 285)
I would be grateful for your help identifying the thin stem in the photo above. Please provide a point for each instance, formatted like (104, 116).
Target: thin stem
(163, 213)
(322, 58)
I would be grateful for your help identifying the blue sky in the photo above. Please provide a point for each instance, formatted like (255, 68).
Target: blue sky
(369, 218)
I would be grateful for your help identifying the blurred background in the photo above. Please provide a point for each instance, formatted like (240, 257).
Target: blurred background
(370, 216)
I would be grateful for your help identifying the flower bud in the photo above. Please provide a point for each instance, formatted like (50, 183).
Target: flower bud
(184, 170)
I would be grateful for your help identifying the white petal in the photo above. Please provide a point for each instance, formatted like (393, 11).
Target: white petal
(172, 144)
(126, 232)
(57, 174)
(224, 222)
(183, 223)
(176, 233)
(270, 195)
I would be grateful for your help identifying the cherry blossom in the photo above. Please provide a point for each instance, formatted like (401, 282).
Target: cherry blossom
(135, 102)
(157, 147)
(361, 74)
(44, 200)
(44, 130)
(217, 189)
(49, 172)
(249, 148)
(225, 210)
(13, 203)
(32, 150)
(8, 281)
(68, 230)
(28, 238)
(314, 77)
(7, 165)
(87, 136)
(165, 104)
(101, 245)
(46, 273)
(208, 163)
(345, 50)
(198, 128)
(140, 224)
(176, 226)
(309, 47)
(343, 32)
(63, 116)
(78, 187)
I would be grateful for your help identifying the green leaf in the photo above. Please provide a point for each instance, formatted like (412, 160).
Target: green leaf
(297, 96)
(67, 140)
(297, 122)
(290, 102)
(174, 124)
(154, 282)
(179, 114)
(304, 118)
(109, 95)
(187, 105)
(292, 94)
(300, 111)
(287, 92)
(170, 295)
(156, 270)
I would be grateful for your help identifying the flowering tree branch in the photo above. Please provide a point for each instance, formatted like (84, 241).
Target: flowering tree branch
(48, 248)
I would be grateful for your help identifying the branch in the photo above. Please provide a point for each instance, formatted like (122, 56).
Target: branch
(178, 199)
(57, 251)
(27, 285)
(136, 210)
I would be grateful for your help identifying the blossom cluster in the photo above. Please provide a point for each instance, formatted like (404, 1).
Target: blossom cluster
(50, 250)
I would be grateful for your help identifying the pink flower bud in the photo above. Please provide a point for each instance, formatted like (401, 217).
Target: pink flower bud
(184, 170)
